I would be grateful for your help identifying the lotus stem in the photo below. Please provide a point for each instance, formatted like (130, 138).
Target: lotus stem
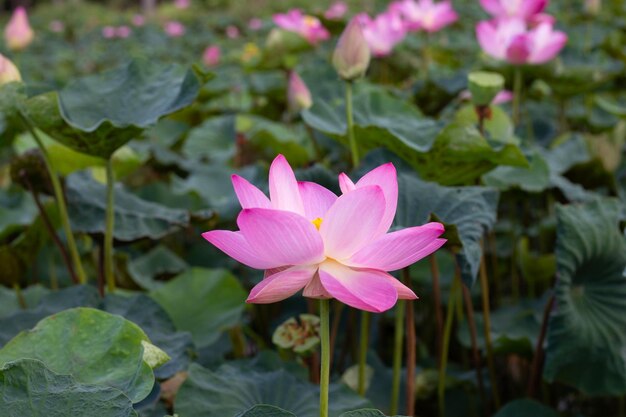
(108, 234)
(325, 365)
(484, 286)
(20, 297)
(60, 197)
(354, 149)
(469, 309)
(441, 387)
(517, 94)
(411, 348)
(363, 344)
(397, 356)
(434, 268)
(538, 358)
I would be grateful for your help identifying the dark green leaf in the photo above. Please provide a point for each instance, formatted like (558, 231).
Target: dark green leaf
(145, 269)
(264, 410)
(526, 408)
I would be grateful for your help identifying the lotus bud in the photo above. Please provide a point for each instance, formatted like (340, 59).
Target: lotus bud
(211, 56)
(352, 54)
(8, 71)
(485, 86)
(300, 337)
(18, 33)
(298, 94)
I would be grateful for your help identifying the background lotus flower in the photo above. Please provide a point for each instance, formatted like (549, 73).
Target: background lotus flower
(524, 9)
(232, 31)
(309, 27)
(425, 14)
(138, 20)
(352, 53)
(307, 238)
(211, 56)
(123, 31)
(174, 29)
(336, 11)
(383, 32)
(182, 4)
(108, 32)
(511, 40)
(255, 23)
(8, 71)
(502, 97)
(18, 34)
(298, 94)
(56, 26)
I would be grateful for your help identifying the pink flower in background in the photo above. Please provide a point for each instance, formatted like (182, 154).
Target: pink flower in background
(109, 32)
(56, 26)
(8, 71)
(182, 4)
(502, 97)
(211, 56)
(298, 94)
(336, 11)
(18, 34)
(174, 29)
(232, 31)
(425, 14)
(511, 40)
(524, 9)
(123, 32)
(307, 238)
(383, 32)
(309, 27)
(255, 23)
(138, 20)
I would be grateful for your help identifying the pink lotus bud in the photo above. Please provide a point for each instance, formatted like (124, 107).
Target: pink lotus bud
(108, 32)
(123, 32)
(352, 54)
(8, 71)
(138, 20)
(211, 56)
(56, 26)
(18, 33)
(298, 95)
(182, 4)
(255, 23)
(174, 29)
(336, 10)
(232, 31)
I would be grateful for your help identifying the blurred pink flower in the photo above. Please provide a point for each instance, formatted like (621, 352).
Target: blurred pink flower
(138, 20)
(524, 9)
(298, 94)
(502, 97)
(57, 26)
(8, 71)
(383, 32)
(255, 23)
(307, 238)
(123, 31)
(425, 14)
(232, 31)
(309, 27)
(109, 32)
(174, 29)
(511, 40)
(18, 34)
(182, 4)
(336, 11)
(211, 56)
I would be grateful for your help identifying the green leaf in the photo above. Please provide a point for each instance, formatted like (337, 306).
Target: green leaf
(159, 261)
(229, 391)
(214, 140)
(526, 408)
(366, 412)
(28, 388)
(93, 346)
(134, 218)
(586, 338)
(615, 109)
(534, 179)
(202, 301)
(264, 410)
(16, 210)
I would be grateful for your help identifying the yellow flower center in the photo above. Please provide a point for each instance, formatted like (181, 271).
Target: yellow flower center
(317, 222)
(310, 21)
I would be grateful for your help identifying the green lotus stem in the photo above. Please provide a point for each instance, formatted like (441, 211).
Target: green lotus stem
(108, 234)
(517, 94)
(364, 341)
(60, 197)
(441, 387)
(354, 149)
(434, 269)
(20, 297)
(411, 347)
(397, 356)
(484, 289)
(325, 365)
(469, 309)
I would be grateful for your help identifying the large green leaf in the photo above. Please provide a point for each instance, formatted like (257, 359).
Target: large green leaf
(202, 301)
(16, 210)
(134, 218)
(366, 412)
(586, 338)
(526, 408)
(264, 410)
(534, 179)
(93, 346)
(28, 388)
(229, 391)
(159, 261)
(214, 140)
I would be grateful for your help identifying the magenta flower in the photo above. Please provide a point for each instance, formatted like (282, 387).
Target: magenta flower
(182, 4)
(307, 238)
(174, 29)
(502, 97)
(18, 34)
(524, 9)
(336, 11)
(298, 94)
(255, 23)
(383, 32)
(309, 27)
(138, 20)
(511, 40)
(109, 32)
(211, 56)
(123, 32)
(232, 31)
(425, 14)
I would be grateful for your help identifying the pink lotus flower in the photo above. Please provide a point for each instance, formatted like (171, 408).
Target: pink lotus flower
(8, 71)
(298, 94)
(511, 40)
(123, 32)
(336, 11)
(255, 23)
(383, 32)
(524, 9)
(174, 29)
(182, 4)
(425, 14)
(502, 97)
(109, 32)
(232, 31)
(18, 34)
(309, 27)
(307, 238)
(138, 20)
(211, 56)
(56, 26)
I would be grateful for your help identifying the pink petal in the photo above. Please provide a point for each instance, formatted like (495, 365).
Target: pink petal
(353, 221)
(404, 292)
(399, 249)
(550, 49)
(365, 289)
(345, 183)
(492, 7)
(316, 199)
(487, 38)
(284, 187)
(519, 50)
(315, 289)
(281, 285)
(235, 245)
(386, 177)
(249, 196)
(283, 237)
